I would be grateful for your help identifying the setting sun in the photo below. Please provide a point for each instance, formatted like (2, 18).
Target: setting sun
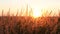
(36, 13)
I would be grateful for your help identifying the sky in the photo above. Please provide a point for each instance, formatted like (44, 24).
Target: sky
(18, 4)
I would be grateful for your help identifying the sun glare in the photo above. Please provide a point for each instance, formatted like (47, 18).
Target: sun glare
(36, 13)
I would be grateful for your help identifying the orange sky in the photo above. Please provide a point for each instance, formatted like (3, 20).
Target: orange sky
(18, 4)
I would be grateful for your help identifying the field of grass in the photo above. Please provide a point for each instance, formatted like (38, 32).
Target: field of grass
(29, 25)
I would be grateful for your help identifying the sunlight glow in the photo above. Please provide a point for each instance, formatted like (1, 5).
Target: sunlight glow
(36, 6)
(36, 12)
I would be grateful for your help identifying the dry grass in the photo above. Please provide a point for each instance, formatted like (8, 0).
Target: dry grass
(29, 25)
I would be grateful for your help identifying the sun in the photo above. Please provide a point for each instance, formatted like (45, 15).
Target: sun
(36, 13)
